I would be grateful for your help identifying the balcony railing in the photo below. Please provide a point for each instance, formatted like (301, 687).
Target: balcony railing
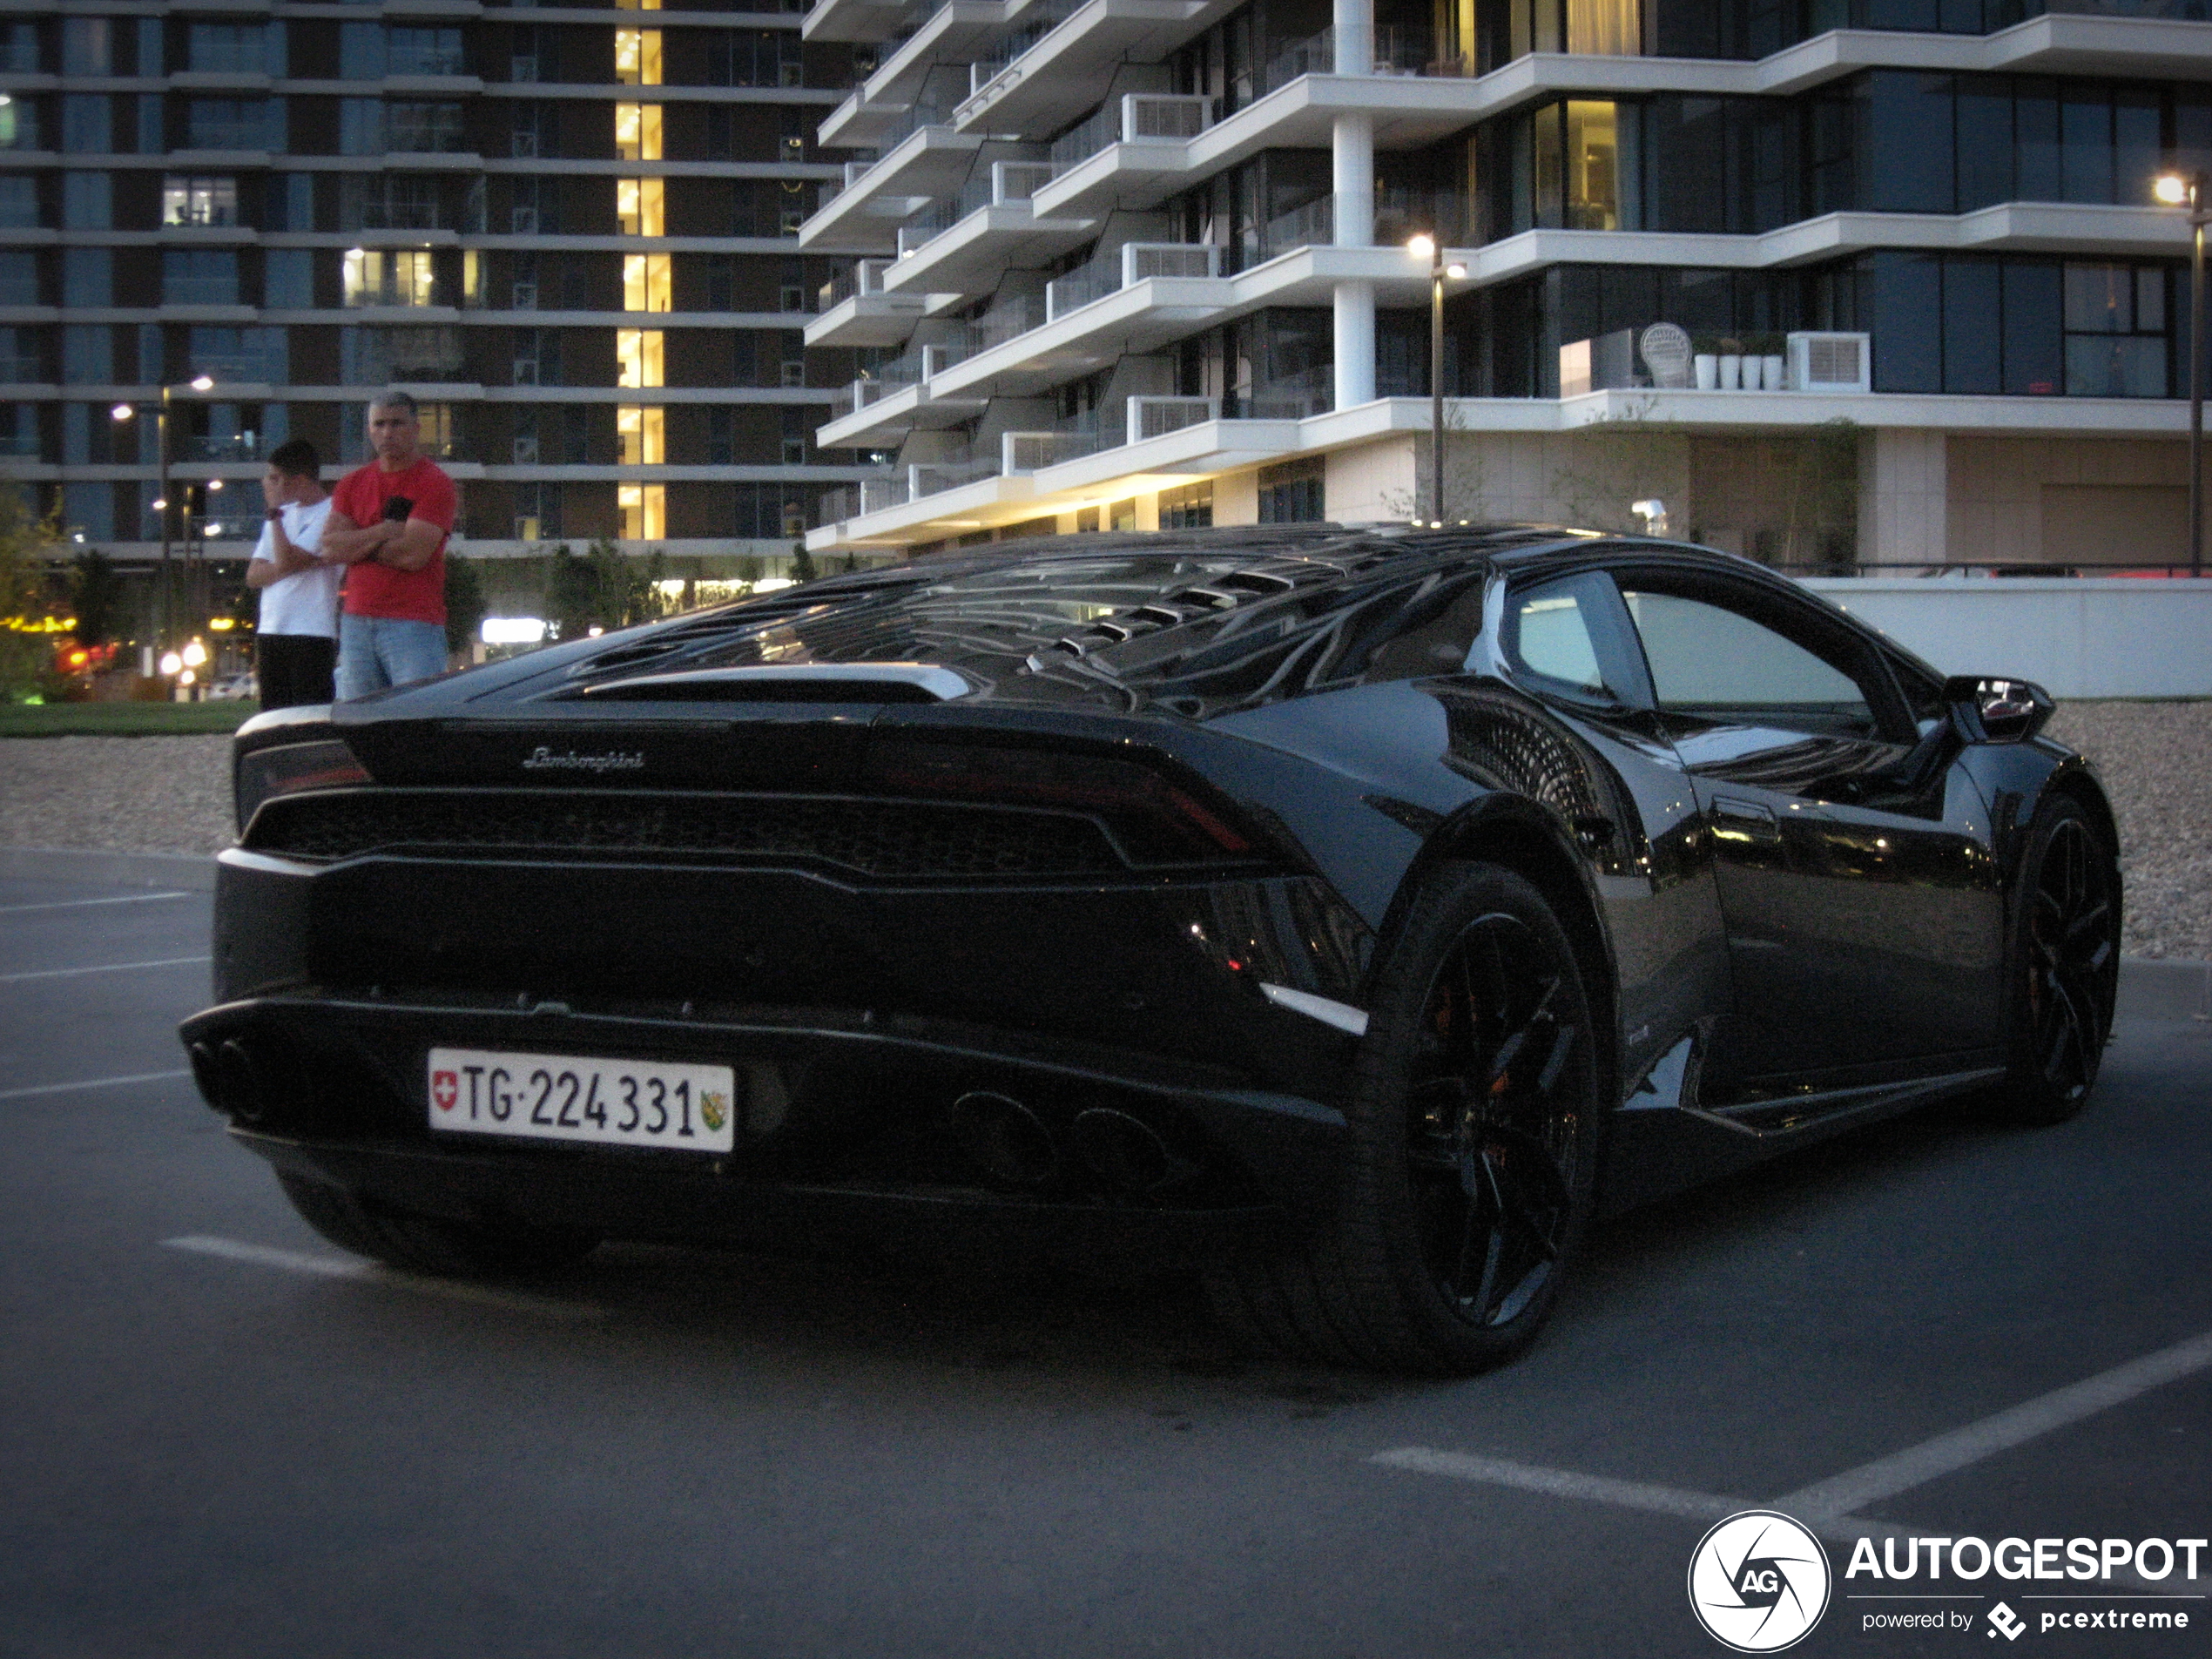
(1130, 263)
(1131, 117)
(1293, 397)
(934, 477)
(1312, 225)
(1155, 417)
(1040, 21)
(1316, 55)
(865, 276)
(1005, 184)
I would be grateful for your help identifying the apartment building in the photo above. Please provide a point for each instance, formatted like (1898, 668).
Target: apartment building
(1839, 281)
(571, 232)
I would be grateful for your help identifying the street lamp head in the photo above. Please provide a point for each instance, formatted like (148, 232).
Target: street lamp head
(1456, 271)
(170, 662)
(194, 653)
(203, 382)
(215, 484)
(161, 504)
(121, 412)
(1422, 246)
(2172, 188)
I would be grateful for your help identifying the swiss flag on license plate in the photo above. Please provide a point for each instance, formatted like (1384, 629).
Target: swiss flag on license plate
(445, 1089)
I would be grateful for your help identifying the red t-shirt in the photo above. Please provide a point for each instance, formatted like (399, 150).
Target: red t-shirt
(373, 588)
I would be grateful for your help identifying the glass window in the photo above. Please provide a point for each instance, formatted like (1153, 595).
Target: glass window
(647, 284)
(641, 206)
(387, 277)
(198, 201)
(88, 202)
(360, 51)
(88, 46)
(86, 126)
(1717, 663)
(89, 509)
(1985, 142)
(19, 48)
(637, 132)
(361, 126)
(1549, 633)
(2084, 147)
(1187, 507)
(228, 48)
(1905, 318)
(638, 357)
(153, 59)
(644, 432)
(1905, 139)
(2034, 328)
(226, 123)
(2100, 299)
(88, 275)
(637, 56)
(288, 279)
(153, 127)
(199, 276)
(1592, 176)
(645, 511)
(18, 278)
(1971, 309)
(88, 354)
(423, 129)
(423, 51)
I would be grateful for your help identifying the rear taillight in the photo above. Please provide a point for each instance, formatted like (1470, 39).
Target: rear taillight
(294, 769)
(1155, 820)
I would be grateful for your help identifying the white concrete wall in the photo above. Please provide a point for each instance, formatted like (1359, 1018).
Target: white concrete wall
(2076, 638)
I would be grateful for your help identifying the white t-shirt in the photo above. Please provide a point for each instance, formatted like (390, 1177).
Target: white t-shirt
(307, 601)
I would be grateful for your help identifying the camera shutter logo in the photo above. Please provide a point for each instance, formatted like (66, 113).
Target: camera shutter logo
(1758, 1582)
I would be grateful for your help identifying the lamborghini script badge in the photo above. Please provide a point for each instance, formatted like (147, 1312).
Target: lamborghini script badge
(543, 758)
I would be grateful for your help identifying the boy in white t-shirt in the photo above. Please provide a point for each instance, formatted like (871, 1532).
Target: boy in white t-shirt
(298, 639)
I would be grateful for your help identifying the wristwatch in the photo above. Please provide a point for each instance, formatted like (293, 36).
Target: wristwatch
(274, 514)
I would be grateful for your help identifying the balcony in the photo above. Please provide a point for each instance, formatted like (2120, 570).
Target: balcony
(1131, 263)
(855, 311)
(923, 164)
(965, 245)
(1025, 92)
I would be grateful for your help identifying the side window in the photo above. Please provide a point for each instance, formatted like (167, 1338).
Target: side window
(1709, 661)
(1562, 638)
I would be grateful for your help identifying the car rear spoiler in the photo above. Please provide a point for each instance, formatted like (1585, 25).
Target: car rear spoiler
(789, 682)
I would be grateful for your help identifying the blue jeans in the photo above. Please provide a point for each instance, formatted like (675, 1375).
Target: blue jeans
(375, 652)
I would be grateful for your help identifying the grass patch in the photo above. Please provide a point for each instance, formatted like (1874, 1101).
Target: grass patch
(122, 720)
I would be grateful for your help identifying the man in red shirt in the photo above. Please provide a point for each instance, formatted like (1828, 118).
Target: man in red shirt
(388, 525)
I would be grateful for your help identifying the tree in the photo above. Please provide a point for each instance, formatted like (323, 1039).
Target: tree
(26, 543)
(96, 598)
(802, 564)
(464, 603)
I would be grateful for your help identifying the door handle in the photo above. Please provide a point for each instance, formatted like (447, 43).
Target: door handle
(1745, 820)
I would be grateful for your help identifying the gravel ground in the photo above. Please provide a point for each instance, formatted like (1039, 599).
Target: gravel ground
(173, 795)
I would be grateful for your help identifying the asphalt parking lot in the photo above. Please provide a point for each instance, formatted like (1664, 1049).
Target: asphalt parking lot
(224, 1438)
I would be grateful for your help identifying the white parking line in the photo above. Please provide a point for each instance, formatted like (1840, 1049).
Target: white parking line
(345, 1267)
(77, 904)
(1854, 1490)
(1563, 1483)
(91, 1082)
(104, 967)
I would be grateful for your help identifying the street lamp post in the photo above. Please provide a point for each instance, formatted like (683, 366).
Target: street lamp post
(2187, 190)
(128, 411)
(1429, 248)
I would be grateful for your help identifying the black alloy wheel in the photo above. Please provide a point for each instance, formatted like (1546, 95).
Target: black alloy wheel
(2066, 965)
(1496, 1118)
(1474, 1139)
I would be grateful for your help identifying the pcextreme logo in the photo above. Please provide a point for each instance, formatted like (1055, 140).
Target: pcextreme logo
(1758, 1582)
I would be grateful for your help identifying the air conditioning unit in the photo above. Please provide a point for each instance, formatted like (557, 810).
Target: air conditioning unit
(1831, 363)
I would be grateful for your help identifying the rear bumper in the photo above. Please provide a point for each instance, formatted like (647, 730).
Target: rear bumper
(846, 1125)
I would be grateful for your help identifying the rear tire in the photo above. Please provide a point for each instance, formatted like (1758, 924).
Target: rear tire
(1472, 1153)
(2064, 966)
(431, 1245)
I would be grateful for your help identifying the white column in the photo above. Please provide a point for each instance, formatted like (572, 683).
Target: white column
(1354, 22)
(1355, 343)
(1352, 176)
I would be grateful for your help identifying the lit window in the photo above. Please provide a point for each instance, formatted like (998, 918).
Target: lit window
(637, 132)
(645, 511)
(637, 56)
(198, 201)
(638, 356)
(645, 436)
(389, 277)
(637, 5)
(646, 285)
(641, 204)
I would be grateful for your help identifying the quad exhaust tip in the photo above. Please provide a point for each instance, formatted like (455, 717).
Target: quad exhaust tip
(1005, 1139)
(231, 1079)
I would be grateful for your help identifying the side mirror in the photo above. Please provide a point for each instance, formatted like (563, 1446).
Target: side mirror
(1995, 711)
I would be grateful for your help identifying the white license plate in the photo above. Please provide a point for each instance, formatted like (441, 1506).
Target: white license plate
(571, 1097)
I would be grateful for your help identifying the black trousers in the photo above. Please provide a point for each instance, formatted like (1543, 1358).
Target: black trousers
(296, 668)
